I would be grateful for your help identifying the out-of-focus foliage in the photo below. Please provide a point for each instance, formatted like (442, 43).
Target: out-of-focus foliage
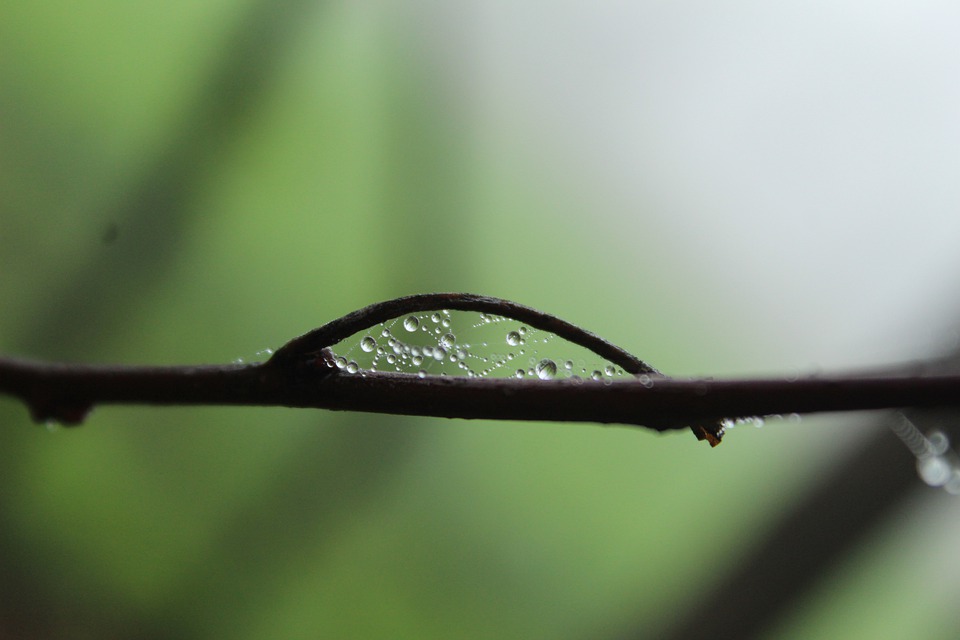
(196, 182)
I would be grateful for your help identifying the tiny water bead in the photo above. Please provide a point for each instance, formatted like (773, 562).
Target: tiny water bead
(469, 344)
(546, 369)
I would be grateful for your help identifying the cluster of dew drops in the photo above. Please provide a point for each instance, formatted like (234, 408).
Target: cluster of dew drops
(475, 345)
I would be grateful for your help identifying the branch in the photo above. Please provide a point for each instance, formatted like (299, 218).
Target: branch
(302, 374)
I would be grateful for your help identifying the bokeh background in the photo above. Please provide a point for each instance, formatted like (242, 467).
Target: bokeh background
(723, 189)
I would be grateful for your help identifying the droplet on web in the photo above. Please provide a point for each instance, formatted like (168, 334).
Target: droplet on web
(468, 344)
(546, 369)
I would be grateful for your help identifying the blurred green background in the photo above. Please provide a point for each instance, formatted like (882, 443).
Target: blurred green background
(195, 182)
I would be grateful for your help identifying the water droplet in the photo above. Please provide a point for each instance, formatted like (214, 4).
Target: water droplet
(596, 375)
(935, 471)
(341, 362)
(938, 442)
(457, 343)
(953, 484)
(546, 369)
(352, 367)
(421, 374)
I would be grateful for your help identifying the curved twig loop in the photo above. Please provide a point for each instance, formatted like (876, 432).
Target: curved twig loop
(333, 332)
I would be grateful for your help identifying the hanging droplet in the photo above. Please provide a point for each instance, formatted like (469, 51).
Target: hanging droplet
(435, 318)
(520, 373)
(447, 340)
(352, 367)
(609, 370)
(411, 323)
(546, 369)
(513, 338)
(368, 344)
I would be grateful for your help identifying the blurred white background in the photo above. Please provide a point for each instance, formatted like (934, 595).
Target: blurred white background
(788, 169)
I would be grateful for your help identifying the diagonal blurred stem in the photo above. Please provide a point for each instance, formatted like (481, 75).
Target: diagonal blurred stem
(152, 212)
(840, 510)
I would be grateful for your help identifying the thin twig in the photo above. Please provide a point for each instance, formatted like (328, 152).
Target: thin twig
(66, 392)
(302, 374)
(344, 327)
